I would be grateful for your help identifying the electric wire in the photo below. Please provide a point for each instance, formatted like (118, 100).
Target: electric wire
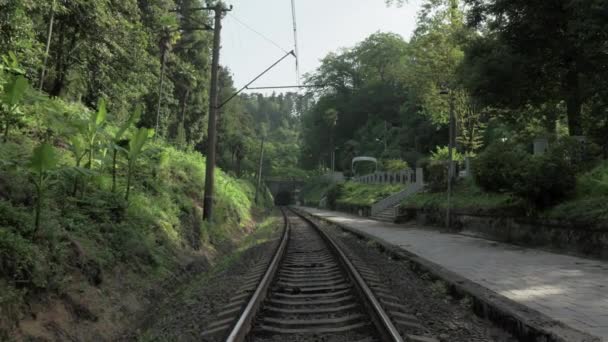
(258, 33)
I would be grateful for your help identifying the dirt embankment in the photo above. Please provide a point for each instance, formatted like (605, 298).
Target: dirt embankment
(124, 305)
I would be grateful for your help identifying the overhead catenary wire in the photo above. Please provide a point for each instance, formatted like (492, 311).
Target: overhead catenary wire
(258, 33)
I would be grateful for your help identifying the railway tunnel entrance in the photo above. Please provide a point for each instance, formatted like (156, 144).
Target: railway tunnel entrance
(285, 191)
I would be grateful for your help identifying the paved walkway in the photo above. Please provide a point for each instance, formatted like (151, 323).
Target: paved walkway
(569, 289)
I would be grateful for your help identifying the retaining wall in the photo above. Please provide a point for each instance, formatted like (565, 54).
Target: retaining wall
(576, 238)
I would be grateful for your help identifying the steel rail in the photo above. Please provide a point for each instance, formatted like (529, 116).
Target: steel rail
(381, 319)
(244, 323)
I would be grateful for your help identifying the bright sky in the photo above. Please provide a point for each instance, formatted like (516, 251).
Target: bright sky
(323, 26)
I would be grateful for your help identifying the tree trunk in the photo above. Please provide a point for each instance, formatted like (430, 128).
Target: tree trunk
(58, 82)
(128, 184)
(114, 171)
(574, 103)
(6, 129)
(239, 158)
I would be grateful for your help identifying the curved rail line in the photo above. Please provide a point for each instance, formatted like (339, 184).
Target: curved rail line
(311, 281)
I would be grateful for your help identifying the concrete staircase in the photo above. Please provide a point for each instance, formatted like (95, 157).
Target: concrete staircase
(387, 208)
(387, 215)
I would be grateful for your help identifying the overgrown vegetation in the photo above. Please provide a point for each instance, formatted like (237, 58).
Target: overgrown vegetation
(466, 195)
(83, 193)
(358, 194)
(507, 83)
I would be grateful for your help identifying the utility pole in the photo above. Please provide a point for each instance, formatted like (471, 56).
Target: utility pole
(48, 46)
(219, 10)
(261, 163)
(450, 159)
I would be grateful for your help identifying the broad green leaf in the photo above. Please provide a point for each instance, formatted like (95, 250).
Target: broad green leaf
(137, 142)
(132, 119)
(77, 145)
(100, 116)
(43, 158)
(15, 91)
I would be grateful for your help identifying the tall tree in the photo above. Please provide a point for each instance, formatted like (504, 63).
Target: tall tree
(551, 50)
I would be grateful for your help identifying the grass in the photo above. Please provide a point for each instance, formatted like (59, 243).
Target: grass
(465, 195)
(359, 194)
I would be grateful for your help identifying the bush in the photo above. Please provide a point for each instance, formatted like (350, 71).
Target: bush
(499, 167)
(540, 180)
(545, 180)
(442, 153)
(394, 165)
(579, 156)
(436, 176)
(333, 194)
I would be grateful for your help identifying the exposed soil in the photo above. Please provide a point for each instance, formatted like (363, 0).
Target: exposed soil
(446, 318)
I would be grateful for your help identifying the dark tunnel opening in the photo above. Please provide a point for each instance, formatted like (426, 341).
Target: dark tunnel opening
(283, 198)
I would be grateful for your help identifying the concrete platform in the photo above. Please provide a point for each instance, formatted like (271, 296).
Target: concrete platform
(545, 287)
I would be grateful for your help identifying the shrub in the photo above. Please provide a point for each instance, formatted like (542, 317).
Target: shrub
(19, 260)
(580, 156)
(442, 153)
(545, 180)
(333, 194)
(499, 167)
(436, 176)
(394, 165)
(540, 180)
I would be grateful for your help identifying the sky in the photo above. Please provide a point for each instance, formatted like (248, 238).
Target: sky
(323, 26)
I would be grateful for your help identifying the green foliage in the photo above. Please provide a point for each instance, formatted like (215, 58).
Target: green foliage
(545, 180)
(314, 190)
(42, 163)
(541, 180)
(466, 195)
(11, 102)
(503, 65)
(136, 145)
(436, 176)
(593, 183)
(442, 154)
(499, 166)
(358, 194)
(394, 165)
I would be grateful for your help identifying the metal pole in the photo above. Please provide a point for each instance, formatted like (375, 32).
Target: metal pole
(213, 109)
(450, 160)
(48, 46)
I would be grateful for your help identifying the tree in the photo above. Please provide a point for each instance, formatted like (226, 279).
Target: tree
(534, 64)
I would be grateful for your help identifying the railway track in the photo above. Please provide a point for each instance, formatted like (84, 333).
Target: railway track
(311, 291)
